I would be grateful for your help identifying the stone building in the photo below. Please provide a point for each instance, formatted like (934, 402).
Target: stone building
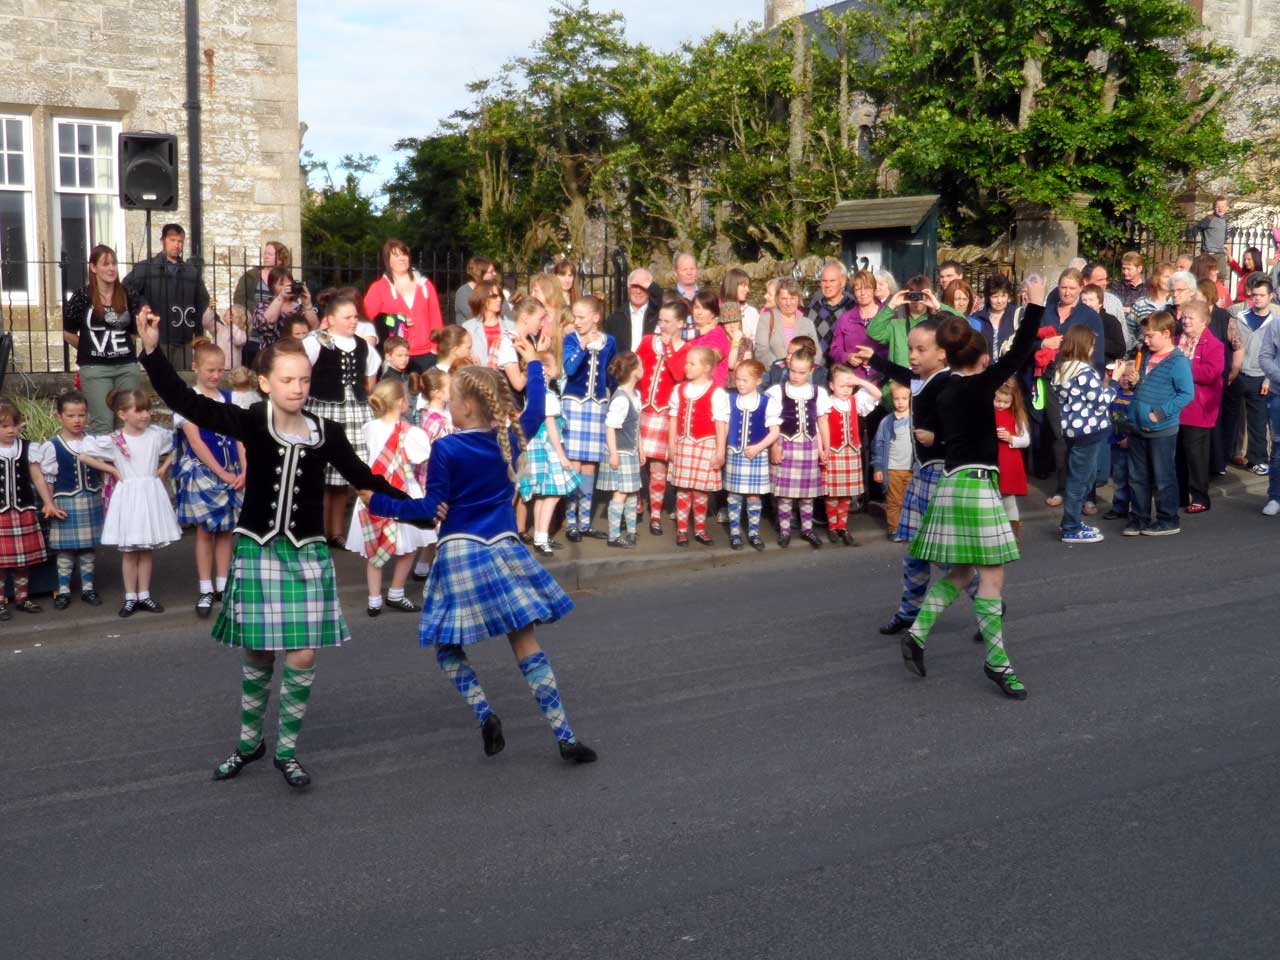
(74, 74)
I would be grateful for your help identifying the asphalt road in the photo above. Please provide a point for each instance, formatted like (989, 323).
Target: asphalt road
(772, 782)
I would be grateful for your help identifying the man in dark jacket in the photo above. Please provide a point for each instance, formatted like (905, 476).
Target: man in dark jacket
(171, 287)
(639, 315)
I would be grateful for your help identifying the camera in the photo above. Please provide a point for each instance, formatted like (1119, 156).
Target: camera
(915, 296)
(296, 288)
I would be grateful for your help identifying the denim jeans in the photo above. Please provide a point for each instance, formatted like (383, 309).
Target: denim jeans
(1082, 471)
(1153, 474)
(1120, 495)
(1273, 482)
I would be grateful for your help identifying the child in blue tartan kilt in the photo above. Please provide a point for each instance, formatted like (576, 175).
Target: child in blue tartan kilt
(281, 597)
(209, 480)
(485, 582)
(587, 354)
(76, 479)
(754, 424)
(620, 471)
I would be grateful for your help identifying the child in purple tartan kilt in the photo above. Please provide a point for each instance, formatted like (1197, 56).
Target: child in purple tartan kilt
(21, 541)
(209, 478)
(801, 451)
(485, 582)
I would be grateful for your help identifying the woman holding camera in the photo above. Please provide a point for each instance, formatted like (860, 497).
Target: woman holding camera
(288, 298)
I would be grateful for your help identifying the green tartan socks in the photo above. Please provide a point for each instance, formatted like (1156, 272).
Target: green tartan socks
(255, 691)
(942, 593)
(998, 668)
(295, 691)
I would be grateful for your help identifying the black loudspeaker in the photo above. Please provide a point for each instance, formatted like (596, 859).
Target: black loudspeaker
(148, 171)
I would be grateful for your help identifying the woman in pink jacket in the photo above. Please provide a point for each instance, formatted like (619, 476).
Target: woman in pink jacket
(1207, 356)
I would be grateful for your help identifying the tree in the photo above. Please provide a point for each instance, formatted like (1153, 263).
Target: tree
(339, 219)
(996, 102)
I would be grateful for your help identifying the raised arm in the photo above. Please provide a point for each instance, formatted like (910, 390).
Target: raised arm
(1023, 346)
(891, 370)
(224, 418)
(535, 399)
(345, 460)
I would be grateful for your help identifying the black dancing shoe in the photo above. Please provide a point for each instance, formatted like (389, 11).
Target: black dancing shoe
(62, 601)
(784, 539)
(832, 535)
(1007, 681)
(4, 612)
(295, 775)
(913, 655)
(232, 766)
(631, 539)
(682, 540)
(977, 636)
(526, 538)
(491, 730)
(577, 753)
(573, 536)
(621, 543)
(811, 538)
(544, 550)
(655, 529)
(204, 606)
(28, 606)
(148, 605)
(419, 577)
(703, 539)
(897, 623)
(847, 539)
(594, 534)
(217, 596)
(755, 541)
(403, 604)
(373, 611)
(128, 609)
(735, 543)
(554, 544)
(91, 598)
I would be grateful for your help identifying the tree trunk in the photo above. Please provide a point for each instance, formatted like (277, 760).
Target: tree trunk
(844, 87)
(1032, 81)
(575, 214)
(796, 138)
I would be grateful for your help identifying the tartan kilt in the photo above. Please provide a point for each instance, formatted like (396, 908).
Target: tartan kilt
(744, 476)
(541, 472)
(691, 467)
(82, 530)
(584, 429)
(655, 434)
(799, 476)
(479, 590)
(351, 414)
(915, 502)
(626, 479)
(842, 474)
(280, 597)
(966, 522)
(21, 541)
(204, 500)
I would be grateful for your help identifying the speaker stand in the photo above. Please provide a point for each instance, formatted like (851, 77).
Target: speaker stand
(148, 233)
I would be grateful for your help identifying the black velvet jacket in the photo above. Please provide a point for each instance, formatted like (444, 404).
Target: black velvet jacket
(284, 479)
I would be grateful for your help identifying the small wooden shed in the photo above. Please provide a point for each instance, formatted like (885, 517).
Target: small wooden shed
(898, 234)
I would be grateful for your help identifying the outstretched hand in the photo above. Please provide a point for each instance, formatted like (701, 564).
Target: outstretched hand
(148, 329)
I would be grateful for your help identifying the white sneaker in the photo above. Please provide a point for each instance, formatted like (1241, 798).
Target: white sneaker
(1271, 509)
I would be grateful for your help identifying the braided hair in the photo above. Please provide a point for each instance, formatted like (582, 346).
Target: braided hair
(489, 388)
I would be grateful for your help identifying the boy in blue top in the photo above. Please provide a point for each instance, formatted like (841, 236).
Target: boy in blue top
(1121, 494)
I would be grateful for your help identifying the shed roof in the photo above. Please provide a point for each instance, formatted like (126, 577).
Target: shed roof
(880, 213)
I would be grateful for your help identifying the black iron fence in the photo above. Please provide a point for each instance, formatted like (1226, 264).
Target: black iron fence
(33, 318)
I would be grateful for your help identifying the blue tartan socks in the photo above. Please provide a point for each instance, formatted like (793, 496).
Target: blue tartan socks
(255, 691)
(66, 564)
(915, 583)
(734, 507)
(754, 508)
(631, 513)
(453, 661)
(585, 492)
(571, 511)
(537, 672)
(615, 520)
(940, 596)
(87, 564)
(295, 691)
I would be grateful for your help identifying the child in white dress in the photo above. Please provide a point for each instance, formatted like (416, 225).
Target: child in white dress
(397, 450)
(140, 517)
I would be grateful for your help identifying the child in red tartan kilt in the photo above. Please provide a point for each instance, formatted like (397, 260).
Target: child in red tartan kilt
(21, 481)
(842, 478)
(661, 354)
(397, 451)
(699, 427)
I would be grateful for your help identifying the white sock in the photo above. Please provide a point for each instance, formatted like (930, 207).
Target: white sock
(144, 594)
(131, 596)
(540, 539)
(422, 568)
(222, 584)
(375, 603)
(206, 586)
(395, 593)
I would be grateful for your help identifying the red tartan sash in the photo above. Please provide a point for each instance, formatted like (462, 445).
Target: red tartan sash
(380, 533)
(109, 481)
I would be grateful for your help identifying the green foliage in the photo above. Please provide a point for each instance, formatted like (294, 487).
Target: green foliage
(1123, 110)
(39, 421)
(339, 219)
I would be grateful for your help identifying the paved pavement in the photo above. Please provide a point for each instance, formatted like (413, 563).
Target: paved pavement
(772, 783)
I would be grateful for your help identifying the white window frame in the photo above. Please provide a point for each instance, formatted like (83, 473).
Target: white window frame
(117, 236)
(32, 296)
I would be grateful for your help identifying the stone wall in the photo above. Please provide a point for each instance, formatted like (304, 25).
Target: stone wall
(124, 60)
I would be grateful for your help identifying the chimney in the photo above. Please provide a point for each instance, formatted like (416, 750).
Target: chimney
(778, 12)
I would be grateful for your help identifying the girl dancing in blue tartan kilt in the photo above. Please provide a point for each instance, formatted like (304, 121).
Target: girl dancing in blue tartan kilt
(485, 582)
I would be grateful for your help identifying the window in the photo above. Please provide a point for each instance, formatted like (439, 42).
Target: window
(88, 208)
(17, 212)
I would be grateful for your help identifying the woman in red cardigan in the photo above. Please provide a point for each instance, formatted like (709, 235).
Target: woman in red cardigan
(400, 303)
